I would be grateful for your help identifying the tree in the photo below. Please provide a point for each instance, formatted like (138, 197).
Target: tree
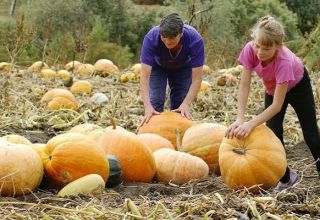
(307, 11)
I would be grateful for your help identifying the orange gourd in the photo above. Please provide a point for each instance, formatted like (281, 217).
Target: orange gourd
(203, 140)
(166, 125)
(70, 156)
(135, 157)
(256, 161)
(48, 96)
(178, 167)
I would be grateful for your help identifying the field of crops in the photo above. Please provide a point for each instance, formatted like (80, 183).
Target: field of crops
(22, 113)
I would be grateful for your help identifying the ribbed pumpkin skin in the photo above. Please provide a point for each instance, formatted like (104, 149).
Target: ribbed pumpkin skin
(71, 156)
(154, 141)
(178, 167)
(203, 140)
(263, 162)
(21, 169)
(135, 157)
(166, 125)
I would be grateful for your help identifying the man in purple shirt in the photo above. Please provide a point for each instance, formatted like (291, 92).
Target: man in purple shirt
(172, 53)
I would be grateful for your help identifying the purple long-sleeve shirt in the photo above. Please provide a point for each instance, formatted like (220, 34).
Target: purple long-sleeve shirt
(155, 53)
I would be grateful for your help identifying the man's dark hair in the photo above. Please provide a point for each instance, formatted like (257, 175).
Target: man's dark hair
(171, 25)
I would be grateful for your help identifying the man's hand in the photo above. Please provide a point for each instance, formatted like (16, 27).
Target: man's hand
(184, 111)
(148, 113)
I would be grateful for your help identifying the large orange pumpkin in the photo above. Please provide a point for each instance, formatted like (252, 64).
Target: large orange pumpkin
(178, 167)
(70, 156)
(105, 67)
(203, 140)
(154, 141)
(21, 169)
(135, 157)
(167, 124)
(256, 161)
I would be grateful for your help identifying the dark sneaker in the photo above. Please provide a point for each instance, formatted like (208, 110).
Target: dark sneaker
(292, 182)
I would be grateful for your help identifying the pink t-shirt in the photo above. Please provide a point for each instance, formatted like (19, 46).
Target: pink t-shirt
(286, 67)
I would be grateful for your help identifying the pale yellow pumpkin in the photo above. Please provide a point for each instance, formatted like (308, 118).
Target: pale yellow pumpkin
(5, 67)
(178, 167)
(16, 139)
(48, 73)
(63, 74)
(204, 87)
(105, 67)
(72, 65)
(85, 69)
(258, 160)
(155, 142)
(81, 86)
(21, 169)
(38, 66)
(203, 140)
(206, 69)
(91, 184)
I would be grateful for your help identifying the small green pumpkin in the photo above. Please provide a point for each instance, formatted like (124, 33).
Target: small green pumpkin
(115, 171)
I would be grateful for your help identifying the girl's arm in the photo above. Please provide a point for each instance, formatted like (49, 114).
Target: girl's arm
(243, 94)
(277, 103)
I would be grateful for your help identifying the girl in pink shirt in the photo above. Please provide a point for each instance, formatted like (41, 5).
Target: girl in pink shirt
(286, 82)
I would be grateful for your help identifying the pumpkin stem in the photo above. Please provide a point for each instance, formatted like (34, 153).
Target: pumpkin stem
(113, 122)
(239, 150)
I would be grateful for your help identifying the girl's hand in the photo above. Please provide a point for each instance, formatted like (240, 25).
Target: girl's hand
(230, 130)
(243, 130)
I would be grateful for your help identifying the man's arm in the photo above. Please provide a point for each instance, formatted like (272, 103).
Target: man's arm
(192, 93)
(144, 89)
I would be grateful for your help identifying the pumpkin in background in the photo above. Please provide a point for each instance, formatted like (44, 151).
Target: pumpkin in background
(259, 159)
(21, 169)
(71, 156)
(72, 65)
(203, 140)
(5, 67)
(63, 74)
(81, 86)
(52, 93)
(105, 67)
(206, 69)
(85, 69)
(60, 98)
(115, 171)
(135, 158)
(167, 124)
(62, 102)
(154, 141)
(127, 77)
(38, 66)
(178, 167)
(16, 139)
(204, 86)
(48, 73)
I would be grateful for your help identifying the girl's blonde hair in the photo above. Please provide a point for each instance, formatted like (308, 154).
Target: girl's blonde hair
(268, 31)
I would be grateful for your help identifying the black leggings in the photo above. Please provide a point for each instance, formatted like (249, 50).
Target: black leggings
(302, 100)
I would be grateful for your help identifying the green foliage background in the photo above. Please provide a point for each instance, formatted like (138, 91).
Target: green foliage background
(55, 31)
